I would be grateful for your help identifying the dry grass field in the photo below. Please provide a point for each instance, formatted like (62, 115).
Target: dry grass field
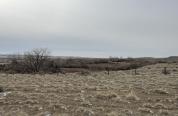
(150, 93)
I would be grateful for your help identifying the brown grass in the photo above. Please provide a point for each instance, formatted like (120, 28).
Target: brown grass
(94, 94)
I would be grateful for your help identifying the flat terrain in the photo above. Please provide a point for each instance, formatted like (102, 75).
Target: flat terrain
(149, 93)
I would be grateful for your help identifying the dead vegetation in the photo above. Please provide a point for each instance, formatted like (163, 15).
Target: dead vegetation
(160, 91)
(145, 110)
(91, 94)
(132, 96)
(106, 96)
(39, 61)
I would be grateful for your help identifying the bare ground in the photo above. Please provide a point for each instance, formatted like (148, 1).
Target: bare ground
(150, 93)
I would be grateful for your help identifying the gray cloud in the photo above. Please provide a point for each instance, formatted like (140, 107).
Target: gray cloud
(90, 27)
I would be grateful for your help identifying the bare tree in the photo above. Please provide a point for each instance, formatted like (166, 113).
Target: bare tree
(35, 59)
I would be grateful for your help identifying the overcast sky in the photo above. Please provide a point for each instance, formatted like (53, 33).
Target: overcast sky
(94, 28)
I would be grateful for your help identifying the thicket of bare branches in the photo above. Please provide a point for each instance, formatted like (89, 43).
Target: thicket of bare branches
(39, 61)
(34, 60)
